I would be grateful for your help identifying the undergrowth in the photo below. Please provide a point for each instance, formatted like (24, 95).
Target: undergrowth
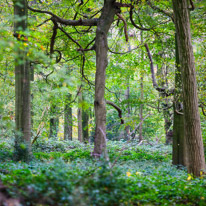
(63, 173)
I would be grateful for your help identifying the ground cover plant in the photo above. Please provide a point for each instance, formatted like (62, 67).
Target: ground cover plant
(64, 173)
(102, 102)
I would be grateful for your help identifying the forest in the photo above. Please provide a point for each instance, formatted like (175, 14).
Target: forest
(102, 103)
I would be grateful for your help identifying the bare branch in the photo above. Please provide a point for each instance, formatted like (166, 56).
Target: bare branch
(70, 37)
(133, 23)
(135, 129)
(192, 5)
(125, 26)
(43, 22)
(151, 67)
(180, 113)
(155, 85)
(80, 22)
(160, 10)
(55, 27)
(117, 4)
(117, 108)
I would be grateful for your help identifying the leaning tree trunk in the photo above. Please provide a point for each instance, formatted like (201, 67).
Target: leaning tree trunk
(193, 134)
(179, 152)
(101, 48)
(22, 86)
(68, 118)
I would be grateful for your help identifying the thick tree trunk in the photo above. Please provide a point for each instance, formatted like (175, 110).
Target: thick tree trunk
(22, 87)
(179, 152)
(101, 48)
(54, 121)
(79, 117)
(68, 118)
(192, 126)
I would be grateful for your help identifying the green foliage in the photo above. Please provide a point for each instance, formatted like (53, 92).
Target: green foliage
(142, 175)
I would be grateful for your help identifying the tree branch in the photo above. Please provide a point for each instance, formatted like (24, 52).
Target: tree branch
(192, 5)
(117, 4)
(160, 10)
(133, 23)
(80, 22)
(117, 108)
(155, 85)
(125, 26)
(135, 129)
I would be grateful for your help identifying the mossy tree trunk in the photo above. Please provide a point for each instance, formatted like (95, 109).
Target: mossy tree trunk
(85, 121)
(68, 118)
(54, 121)
(22, 86)
(79, 116)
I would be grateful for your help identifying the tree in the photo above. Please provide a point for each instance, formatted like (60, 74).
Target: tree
(179, 154)
(22, 84)
(68, 118)
(192, 128)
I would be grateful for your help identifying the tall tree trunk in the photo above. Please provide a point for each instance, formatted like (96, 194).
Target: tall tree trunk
(179, 152)
(141, 93)
(85, 121)
(101, 48)
(192, 126)
(85, 125)
(54, 121)
(79, 117)
(22, 86)
(68, 118)
(127, 128)
(165, 102)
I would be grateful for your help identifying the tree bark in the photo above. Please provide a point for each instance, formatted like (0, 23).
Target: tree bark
(85, 125)
(192, 125)
(141, 93)
(127, 128)
(22, 86)
(54, 121)
(179, 152)
(68, 118)
(79, 117)
(101, 49)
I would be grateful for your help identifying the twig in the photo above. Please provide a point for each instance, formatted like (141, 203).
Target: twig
(40, 125)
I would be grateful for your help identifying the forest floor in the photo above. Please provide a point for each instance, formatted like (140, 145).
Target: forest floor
(64, 173)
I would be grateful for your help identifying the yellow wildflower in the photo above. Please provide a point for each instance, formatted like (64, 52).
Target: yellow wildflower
(189, 177)
(202, 198)
(138, 173)
(128, 174)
